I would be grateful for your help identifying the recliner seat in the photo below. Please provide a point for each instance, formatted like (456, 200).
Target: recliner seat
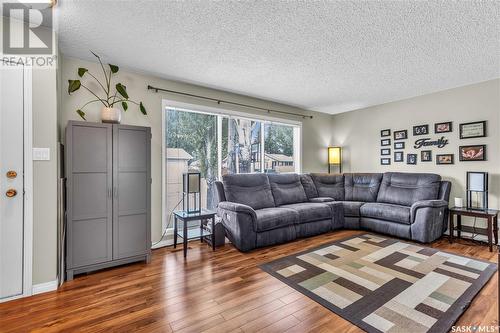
(266, 209)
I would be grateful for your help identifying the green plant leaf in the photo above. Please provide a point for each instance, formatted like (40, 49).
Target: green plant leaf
(122, 90)
(114, 68)
(142, 108)
(73, 85)
(82, 71)
(124, 106)
(81, 114)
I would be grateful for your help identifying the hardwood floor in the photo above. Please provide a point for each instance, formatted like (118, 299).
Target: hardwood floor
(222, 291)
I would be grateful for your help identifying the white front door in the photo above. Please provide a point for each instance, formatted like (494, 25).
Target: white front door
(11, 180)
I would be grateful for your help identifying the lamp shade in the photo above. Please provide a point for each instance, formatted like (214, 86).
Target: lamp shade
(334, 155)
(191, 182)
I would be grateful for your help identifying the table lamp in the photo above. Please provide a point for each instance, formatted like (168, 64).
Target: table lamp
(191, 184)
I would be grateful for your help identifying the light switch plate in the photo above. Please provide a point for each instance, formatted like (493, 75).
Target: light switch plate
(41, 154)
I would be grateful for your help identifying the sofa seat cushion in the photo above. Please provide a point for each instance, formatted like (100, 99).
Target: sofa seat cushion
(273, 218)
(388, 212)
(311, 211)
(351, 208)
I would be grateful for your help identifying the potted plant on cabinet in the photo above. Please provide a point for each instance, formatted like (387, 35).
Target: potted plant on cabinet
(109, 113)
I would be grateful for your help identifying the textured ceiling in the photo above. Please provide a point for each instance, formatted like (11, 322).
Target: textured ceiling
(325, 56)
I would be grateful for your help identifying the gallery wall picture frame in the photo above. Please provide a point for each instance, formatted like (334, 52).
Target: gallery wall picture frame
(426, 156)
(399, 145)
(385, 142)
(444, 127)
(445, 159)
(399, 156)
(385, 161)
(472, 153)
(411, 159)
(420, 130)
(401, 135)
(385, 151)
(476, 129)
(385, 132)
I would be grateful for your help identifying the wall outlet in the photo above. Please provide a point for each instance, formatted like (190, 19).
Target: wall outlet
(41, 154)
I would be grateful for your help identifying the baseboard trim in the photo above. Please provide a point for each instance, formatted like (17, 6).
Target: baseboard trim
(44, 287)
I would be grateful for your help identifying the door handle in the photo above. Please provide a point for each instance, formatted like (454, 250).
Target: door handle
(11, 193)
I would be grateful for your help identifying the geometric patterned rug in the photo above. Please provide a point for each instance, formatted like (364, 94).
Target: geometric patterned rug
(385, 285)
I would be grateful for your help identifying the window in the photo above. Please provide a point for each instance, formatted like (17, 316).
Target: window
(216, 144)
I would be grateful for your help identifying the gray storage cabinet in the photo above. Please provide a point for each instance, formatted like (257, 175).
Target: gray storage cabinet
(108, 215)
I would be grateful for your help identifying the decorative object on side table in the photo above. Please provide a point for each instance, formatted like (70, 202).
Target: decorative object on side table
(445, 159)
(421, 130)
(191, 185)
(109, 113)
(443, 127)
(491, 231)
(401, 135)
(472, 153)
(471, 130)
(386, 132)
(411, 159)
(334, 158)
(477, 185)
(205, 231)
(426, 155)
(399, 156)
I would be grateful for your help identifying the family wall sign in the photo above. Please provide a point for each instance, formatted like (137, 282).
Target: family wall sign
(428, 142)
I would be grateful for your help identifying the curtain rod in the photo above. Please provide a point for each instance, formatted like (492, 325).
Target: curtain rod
(219, 101)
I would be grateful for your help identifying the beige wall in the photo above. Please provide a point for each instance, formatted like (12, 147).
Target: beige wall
(315, 135)
(359, 133)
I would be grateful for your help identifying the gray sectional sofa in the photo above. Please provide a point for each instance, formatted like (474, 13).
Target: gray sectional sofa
(265, 209)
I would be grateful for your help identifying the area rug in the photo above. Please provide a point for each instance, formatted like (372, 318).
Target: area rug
(386, 285)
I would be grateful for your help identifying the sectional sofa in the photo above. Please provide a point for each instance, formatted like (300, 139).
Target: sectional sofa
(265, 209)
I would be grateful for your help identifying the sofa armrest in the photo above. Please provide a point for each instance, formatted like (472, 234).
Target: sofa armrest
(321, 199)
(240, 223)
(428, 220)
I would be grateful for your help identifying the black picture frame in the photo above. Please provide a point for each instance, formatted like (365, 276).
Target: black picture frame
(399, 145)
(385, 132)
(385, 151)
(399, 156)
(420, 130)
(411, 159)
(426, 156)
(445, 159)
(480, 156)
(385, 161)
(385, 142)
(400, 135)
(447, 125)
(462, 127)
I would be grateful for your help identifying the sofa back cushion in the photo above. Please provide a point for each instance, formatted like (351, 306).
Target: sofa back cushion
(308, 185)
(251, 189)
(407, 188)
(286, 188)
(362, 186)
(329, 185)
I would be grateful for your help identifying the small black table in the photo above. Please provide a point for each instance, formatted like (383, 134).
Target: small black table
(204, 231)
(491, 215)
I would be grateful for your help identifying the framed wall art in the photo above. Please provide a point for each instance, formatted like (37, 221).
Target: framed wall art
(445, 159)
(399, 145)
(411, 159)
(472, 153)
(385, 161)
(385, 151)
(426, 155)
(386, 132)
(443, 127)
(385, 142)
(421, 130)
(399, 156)
(401, 135)
(473, 130)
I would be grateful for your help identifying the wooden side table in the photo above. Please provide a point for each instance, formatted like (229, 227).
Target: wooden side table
(491, 216)
(204, 231)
